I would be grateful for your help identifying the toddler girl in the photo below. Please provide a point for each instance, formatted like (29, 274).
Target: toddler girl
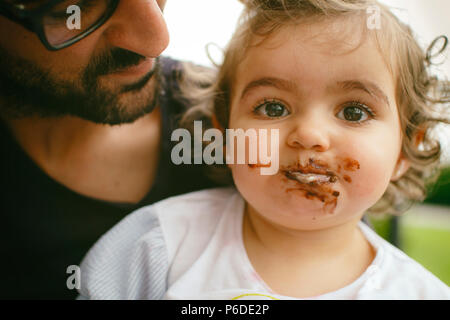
(350, 100)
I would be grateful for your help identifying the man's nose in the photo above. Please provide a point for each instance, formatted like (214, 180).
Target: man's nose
(139, 26)
(309, 132)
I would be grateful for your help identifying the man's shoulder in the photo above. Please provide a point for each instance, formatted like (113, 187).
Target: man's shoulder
(178, 72)
(181, 84)
(175, 67)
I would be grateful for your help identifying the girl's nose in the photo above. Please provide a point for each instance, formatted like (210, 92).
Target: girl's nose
(310, 134)
(139, 26)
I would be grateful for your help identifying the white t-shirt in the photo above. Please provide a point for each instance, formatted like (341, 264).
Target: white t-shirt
(191, 247)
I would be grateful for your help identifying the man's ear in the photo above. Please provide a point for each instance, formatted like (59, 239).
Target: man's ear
(216, 123)
(401, 167)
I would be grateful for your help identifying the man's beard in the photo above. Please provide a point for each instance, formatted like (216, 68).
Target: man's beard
(28, 90)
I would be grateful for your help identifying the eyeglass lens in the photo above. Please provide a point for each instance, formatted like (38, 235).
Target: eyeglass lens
(70, 18)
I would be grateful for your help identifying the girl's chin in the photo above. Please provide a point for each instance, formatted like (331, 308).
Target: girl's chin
(296, 211)
(306, 220)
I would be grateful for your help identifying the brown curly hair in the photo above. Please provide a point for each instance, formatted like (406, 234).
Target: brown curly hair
(422, 99)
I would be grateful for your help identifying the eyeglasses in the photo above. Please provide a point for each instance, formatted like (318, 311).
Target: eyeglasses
(59, 23)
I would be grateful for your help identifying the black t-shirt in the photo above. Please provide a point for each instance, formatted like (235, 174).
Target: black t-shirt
(46, 227)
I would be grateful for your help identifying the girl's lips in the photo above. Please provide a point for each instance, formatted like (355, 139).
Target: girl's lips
(314, 172)
(311, 178)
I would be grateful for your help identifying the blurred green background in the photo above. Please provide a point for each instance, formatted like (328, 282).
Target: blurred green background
(423, 232)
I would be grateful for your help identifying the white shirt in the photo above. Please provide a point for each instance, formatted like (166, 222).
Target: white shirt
(191, 247)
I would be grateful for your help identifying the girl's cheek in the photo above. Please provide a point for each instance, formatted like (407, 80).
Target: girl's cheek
(245, 174)
(244, 180)
(377, 154)
(369, 184)
(371, 180)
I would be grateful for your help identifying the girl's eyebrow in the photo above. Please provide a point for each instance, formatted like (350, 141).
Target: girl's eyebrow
(282, 84)
(287, 85)
(366, 86)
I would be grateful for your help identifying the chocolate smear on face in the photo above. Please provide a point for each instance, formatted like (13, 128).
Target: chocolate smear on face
(351, 164)
(259, 165)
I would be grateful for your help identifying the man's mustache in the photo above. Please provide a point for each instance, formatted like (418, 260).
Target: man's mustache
(115, 60)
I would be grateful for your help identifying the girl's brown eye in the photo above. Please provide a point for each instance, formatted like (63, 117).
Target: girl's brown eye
(271, 109)
(355, 113)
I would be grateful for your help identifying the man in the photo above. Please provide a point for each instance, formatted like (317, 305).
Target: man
(86, 109)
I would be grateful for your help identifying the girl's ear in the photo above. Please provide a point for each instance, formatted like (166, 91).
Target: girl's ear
(419, 136)
(401, 167)
(403, 164)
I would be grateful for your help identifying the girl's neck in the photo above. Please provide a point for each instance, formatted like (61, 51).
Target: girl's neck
(334, 257)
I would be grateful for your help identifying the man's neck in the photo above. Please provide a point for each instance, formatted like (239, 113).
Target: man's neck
(77, 152)
(49, 140)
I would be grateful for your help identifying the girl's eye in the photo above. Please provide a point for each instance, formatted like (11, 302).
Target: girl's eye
(271, 109)
(356, 112)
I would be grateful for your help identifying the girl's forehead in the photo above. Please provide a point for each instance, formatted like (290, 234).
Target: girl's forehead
(332, 35)
(320, 51)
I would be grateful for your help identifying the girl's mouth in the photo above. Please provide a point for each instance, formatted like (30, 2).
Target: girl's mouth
(314, 173)
(311, 178)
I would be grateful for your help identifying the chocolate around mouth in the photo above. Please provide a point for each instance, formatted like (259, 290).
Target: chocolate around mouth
(312, 181)
(311, 178)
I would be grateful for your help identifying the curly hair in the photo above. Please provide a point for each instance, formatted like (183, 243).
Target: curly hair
(422, 99)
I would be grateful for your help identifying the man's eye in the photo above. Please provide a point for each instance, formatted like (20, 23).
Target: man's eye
(355, 112)
(271, 109)
(60, 10)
